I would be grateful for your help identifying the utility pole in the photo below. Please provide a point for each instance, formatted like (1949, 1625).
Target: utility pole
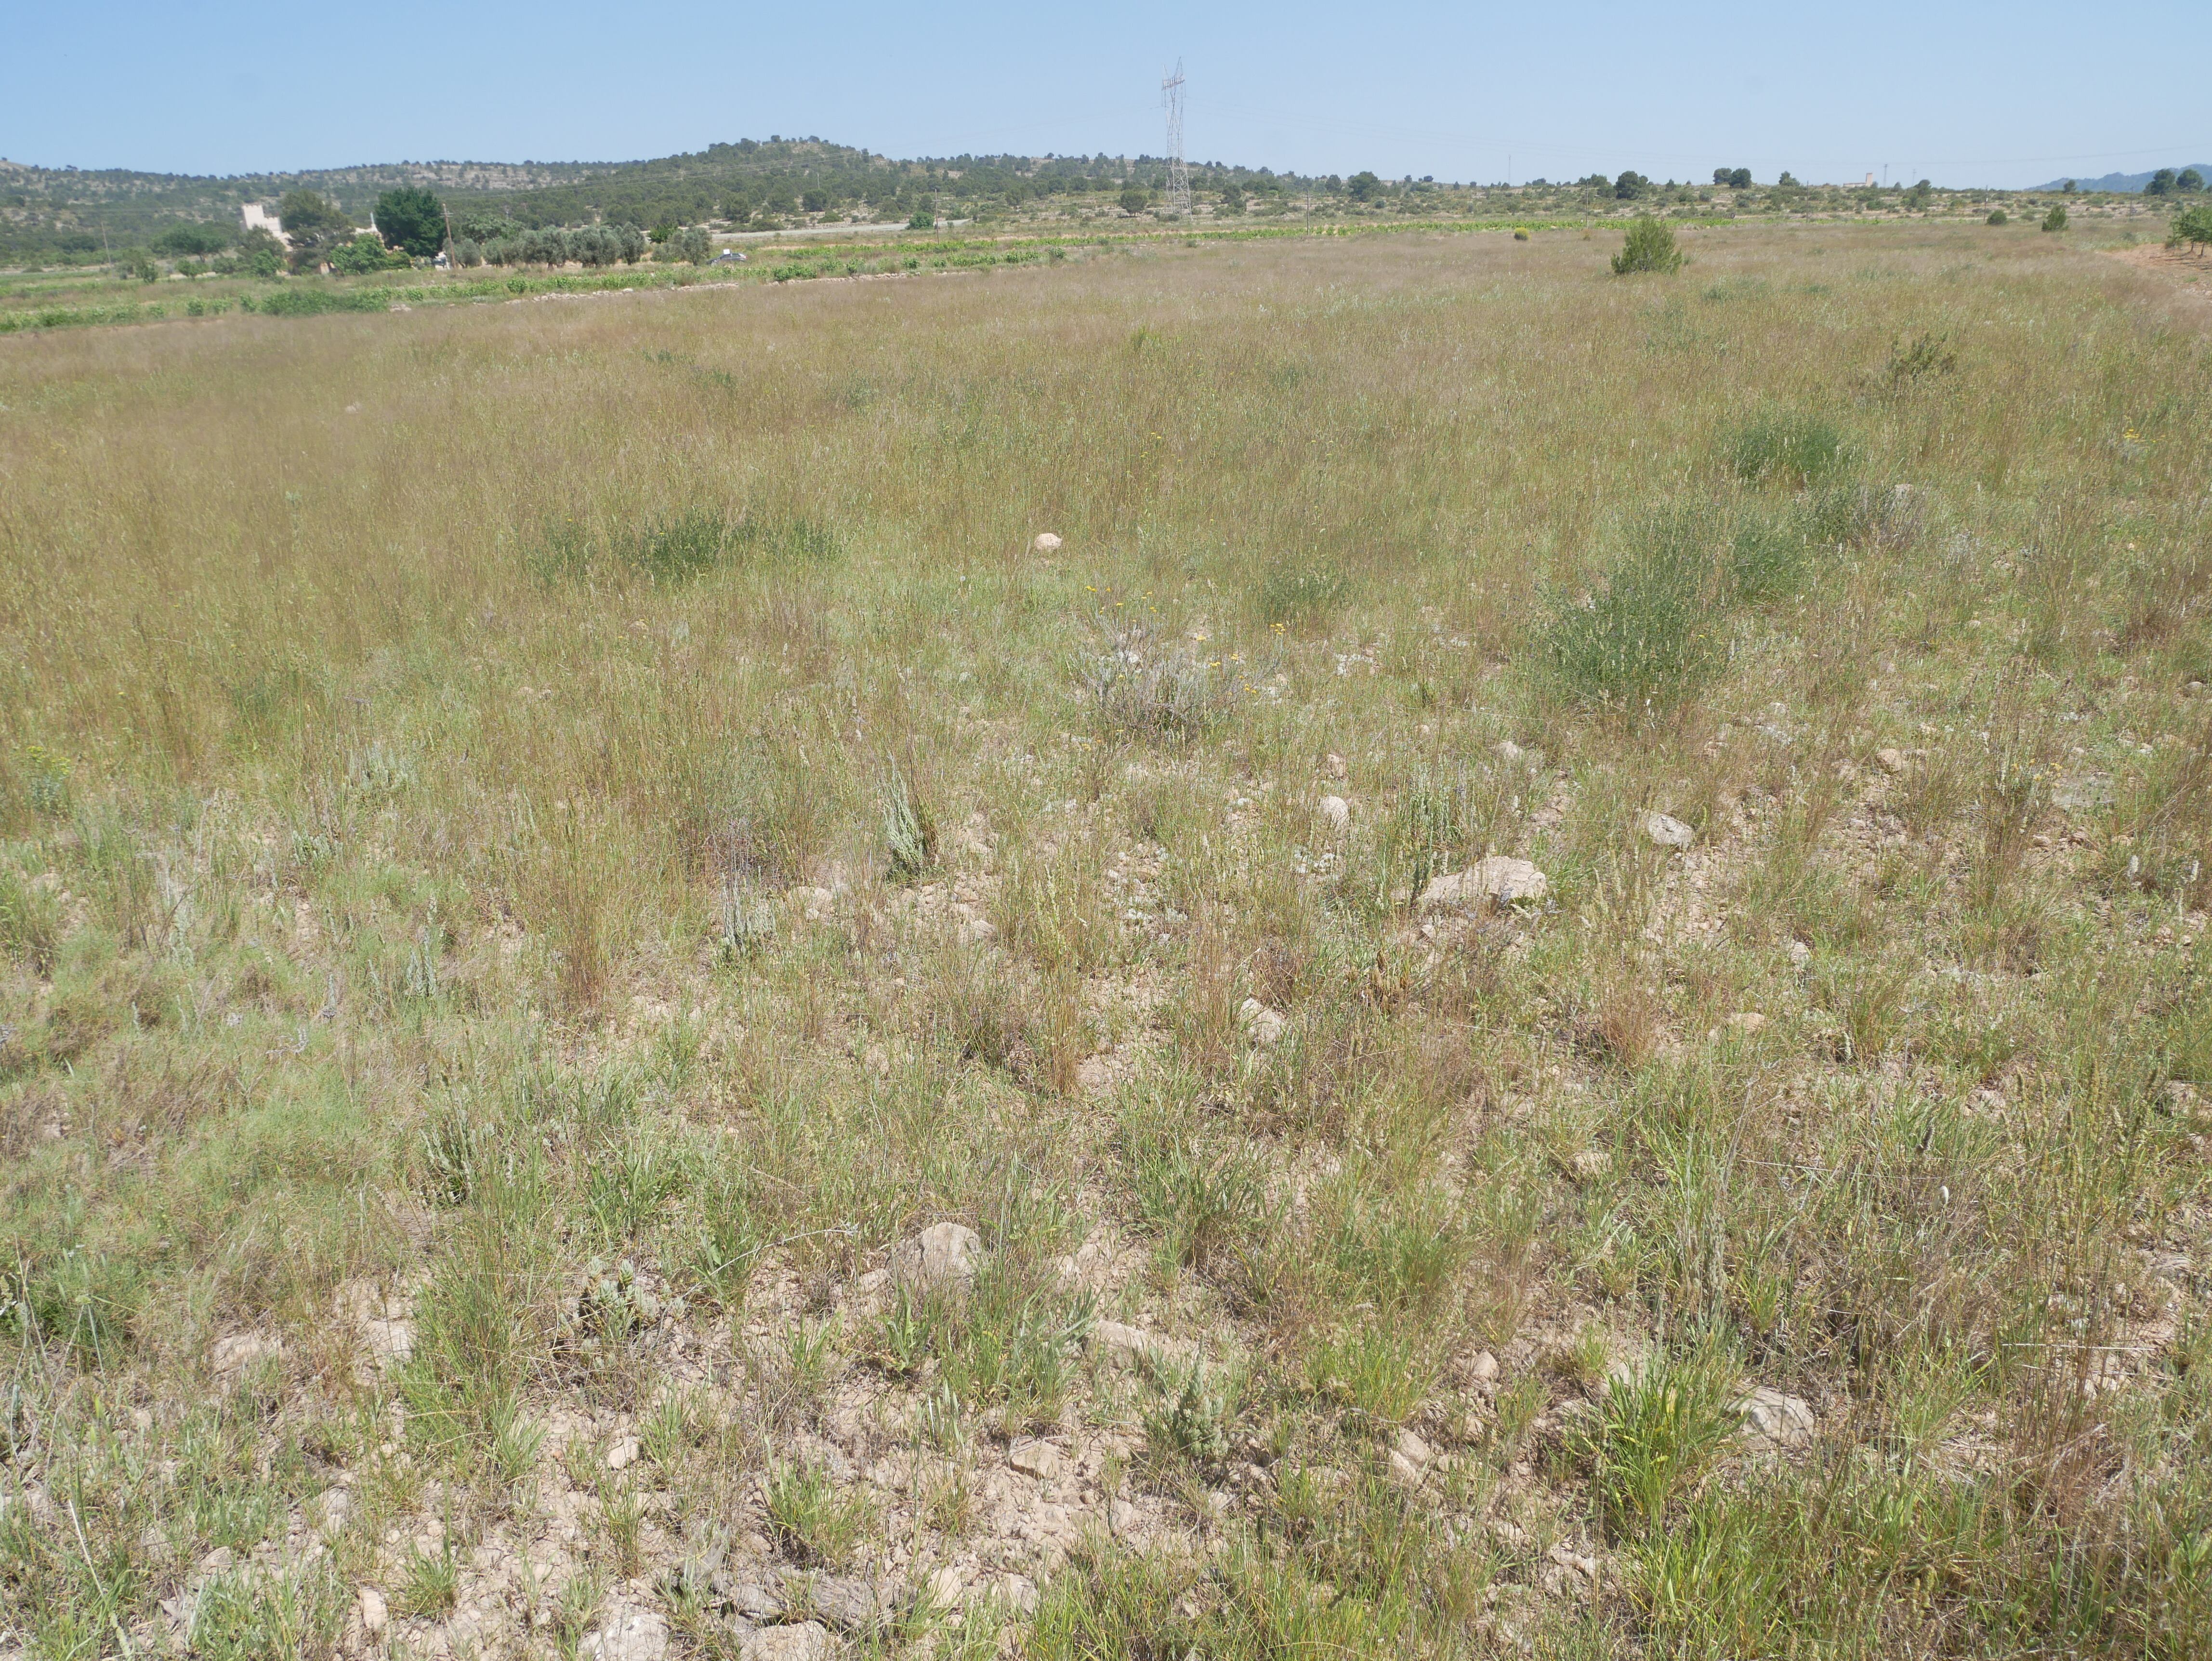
(1178, 175)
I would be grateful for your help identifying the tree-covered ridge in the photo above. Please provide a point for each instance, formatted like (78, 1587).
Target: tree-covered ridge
(58, 214)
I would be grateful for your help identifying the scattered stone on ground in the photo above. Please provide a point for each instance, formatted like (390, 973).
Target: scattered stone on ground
(1496, 879)
(1035, 1459)
(851, 1603)
(1045, 542)
(1128, 1346)
(382, 1319)
(624, 1454)
(232, 1355)
(373, 1615)
(1335, 813)
(2083, 793)
(942, 1253)
(1261, 1025)
(749, 1595)
(1409, 1457)
(329, 1512)
(809, 1641)
(1666, 831)
(1773, 1419)
(1585, 1569)
(1017, 1592)
(628, 1632)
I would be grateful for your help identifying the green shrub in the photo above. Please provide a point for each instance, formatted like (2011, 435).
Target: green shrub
(691, 246)
(812, 1517)
(1784, 447)
(184, 242)
(1646, 638)
(1164, 693)
(1198, 1200)
(1654, 1436)
(1649, 247)
(81, 1299)
(1766, 560)
(1380, 1372)
(1190, 1424)
(2193, 227)
(1996, 217)
(1857, 515)
(910, 831)
(1927, 354)
(45, 777)
(241, 1616)
(260, 254)
(673, 548)
(429, 1583)
(312, 302)
(1291, 593)
(30, 917)
(1717, 1581)
(1016, 1344)
(678, 546)
(2056, 219)
(365, 254)
(1437, 818)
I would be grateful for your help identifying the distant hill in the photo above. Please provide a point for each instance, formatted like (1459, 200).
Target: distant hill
(57, 215)
(2124, 181)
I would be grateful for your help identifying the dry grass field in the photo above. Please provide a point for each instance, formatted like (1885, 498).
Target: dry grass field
(1542, 994)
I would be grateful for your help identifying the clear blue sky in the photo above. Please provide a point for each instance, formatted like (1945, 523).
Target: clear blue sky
(1963, 91)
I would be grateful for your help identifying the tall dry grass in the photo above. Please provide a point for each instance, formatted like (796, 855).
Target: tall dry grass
(611, 779)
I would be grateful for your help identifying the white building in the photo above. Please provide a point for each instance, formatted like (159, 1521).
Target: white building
(256, 217)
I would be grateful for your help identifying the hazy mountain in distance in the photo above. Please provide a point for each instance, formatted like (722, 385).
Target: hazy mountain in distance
(2124, 181)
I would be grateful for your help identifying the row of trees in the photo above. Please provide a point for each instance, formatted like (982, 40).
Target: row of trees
(584, 245)
(412, 224)
(2167, 182)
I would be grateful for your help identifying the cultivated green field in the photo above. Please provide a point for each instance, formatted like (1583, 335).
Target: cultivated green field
(1539, 993)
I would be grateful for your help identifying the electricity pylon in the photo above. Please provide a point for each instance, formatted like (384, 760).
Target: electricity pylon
(1178, 175)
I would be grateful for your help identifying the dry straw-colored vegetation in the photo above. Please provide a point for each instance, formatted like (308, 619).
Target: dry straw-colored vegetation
(547, 844)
